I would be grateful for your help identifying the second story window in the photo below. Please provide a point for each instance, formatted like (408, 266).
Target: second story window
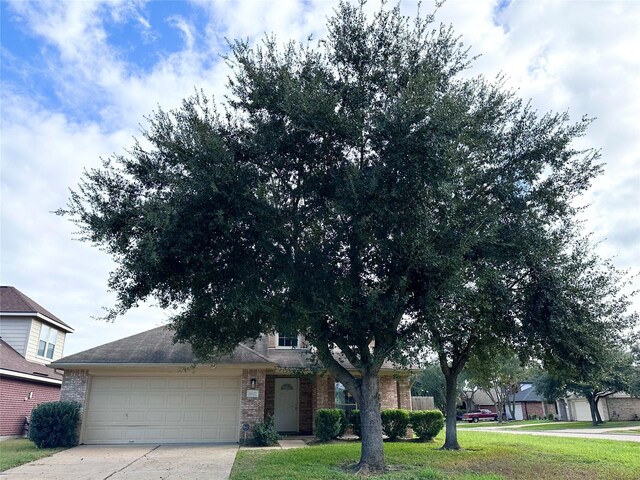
(47, 343)
(287, 341)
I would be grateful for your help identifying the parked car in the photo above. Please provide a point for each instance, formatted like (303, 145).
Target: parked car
(481, 414)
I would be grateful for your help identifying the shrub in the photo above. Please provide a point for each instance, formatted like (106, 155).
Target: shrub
(265, 434)
(330, 423)
(55, 424)
(426, 423)
(354, 421)
(551, 416)
(395, 423)
(533, 417)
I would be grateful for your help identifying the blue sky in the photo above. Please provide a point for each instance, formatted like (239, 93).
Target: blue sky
(78, 77)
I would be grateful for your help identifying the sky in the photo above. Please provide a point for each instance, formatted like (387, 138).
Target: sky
(79, 77)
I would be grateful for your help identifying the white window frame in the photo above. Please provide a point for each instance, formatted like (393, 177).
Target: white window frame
(49, 336)
(288, 347)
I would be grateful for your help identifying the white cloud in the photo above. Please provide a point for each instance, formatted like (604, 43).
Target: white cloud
(575, 55)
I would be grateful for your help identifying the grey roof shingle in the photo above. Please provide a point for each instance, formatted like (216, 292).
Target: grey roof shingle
(14, 362)
(528, 395)
(155, 346)
(13, 300)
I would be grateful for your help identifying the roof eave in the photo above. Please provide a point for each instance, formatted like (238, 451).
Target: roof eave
(87, 365)
(41, 317)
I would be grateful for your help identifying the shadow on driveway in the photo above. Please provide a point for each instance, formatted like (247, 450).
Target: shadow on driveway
(140, 462)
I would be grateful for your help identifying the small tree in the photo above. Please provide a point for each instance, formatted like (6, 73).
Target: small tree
(498, 374)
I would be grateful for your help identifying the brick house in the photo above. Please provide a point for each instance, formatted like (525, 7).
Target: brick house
(146, 388)
(30, 338)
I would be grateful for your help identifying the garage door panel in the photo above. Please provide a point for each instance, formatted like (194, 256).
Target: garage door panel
(156, 409)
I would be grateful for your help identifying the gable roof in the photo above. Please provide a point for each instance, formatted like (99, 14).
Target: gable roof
(13, 300)
(528, 395)
(153, 347)
(14, 364)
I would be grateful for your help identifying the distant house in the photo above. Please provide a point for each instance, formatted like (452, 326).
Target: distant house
(30, 338)
(619, 406)
(530, 404)
(146, 388)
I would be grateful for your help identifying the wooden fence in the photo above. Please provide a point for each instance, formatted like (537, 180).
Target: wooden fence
(422, 403)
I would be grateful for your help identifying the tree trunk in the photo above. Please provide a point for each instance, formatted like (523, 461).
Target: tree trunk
(499, 410)
(598, 417)
(451, 394)
(372, 453)
(593, 406)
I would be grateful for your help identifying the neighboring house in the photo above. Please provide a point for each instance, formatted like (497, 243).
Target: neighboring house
(146, 389)
(529, 403)
(30, 338)
(619, 406)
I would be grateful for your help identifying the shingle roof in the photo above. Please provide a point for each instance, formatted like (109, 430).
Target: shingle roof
(154, 346)
(13, 300)
(528, 395)
(13, 361)
(300, 359)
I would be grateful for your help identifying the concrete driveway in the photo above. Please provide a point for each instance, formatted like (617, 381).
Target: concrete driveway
(143, 462)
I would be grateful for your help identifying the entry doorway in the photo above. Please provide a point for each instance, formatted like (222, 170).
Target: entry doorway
(286, 400)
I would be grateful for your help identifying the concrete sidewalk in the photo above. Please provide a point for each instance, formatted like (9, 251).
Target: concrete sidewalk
(140, 462)
(577, 433)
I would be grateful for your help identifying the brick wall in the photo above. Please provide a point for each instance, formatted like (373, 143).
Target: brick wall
(623, 408)
(74, 386)
(388, 393)
(252, 409)
(269, 396)
(324, 395)
(404, 393)
(16, 404)
(306, 406)
(535, 408)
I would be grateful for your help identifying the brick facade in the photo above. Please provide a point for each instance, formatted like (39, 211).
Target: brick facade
(306, 406)
(395, 393)
(74, 386)
(535, 408)
(252, 410)
(16, 404)
(621, 408)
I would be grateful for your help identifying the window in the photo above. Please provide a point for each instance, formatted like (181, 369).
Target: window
(287, 341)
(47, 344)
(344, 400)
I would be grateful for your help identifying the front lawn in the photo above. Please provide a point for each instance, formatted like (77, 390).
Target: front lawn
(580, 425)
(16, 452)
(506, 423)
(486, 456)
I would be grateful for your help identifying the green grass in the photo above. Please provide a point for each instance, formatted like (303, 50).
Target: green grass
(580, 425)
(19, 451)
(486, 457)
(503, 424)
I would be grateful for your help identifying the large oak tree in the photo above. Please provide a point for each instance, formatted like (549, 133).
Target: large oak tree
(357, 190)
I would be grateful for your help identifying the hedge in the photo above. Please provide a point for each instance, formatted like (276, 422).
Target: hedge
(426, 424)
(55, 424)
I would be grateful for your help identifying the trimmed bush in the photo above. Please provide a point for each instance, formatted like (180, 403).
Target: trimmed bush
(55, 424)
(426, 424)
(265, 434)
(354, 421)
(330, 423)
(395, 423)
(551, 416)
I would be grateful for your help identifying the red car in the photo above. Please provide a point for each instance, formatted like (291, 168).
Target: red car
(482, 414)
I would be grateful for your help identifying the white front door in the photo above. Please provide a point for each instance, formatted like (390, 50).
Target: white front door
(285, 412)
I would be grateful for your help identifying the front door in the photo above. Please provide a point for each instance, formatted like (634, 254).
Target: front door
(285, 412)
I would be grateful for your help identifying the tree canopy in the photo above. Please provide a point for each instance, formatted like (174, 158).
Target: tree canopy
(358, 190)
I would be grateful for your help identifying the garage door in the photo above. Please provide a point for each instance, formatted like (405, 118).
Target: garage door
(162, 410)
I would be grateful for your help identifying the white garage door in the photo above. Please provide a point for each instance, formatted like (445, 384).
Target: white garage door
(162, 410)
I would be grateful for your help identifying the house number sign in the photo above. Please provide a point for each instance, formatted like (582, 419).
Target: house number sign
(252, 393)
